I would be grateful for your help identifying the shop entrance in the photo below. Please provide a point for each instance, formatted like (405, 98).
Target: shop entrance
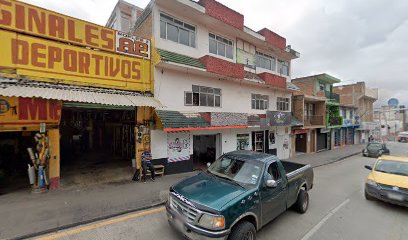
(322, 141)
(204, 150)
(301, 143)
(14, 160)
(97, 145)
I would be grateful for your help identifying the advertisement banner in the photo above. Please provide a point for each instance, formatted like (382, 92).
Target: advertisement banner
(26, 112)
(31, 20)
(53, 61)
(178, 146)
(278, 118)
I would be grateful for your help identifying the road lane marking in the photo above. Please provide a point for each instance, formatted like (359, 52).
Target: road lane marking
(100, 224)
(324, 220)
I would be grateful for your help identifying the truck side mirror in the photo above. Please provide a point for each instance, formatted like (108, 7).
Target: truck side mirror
(368, 167)
(271, 183)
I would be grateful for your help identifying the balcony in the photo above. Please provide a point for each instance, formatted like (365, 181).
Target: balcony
(371, 93)
(333, 97)
(335, 121)
(223, 67)
(273, 80)
(314, 120)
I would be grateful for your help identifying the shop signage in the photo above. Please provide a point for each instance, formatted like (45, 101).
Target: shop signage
(243, 142)
(300, 131)
(347, 122)
(324, 130)
(278, 118)
(246, 58)
(52, 60)
(178, 146)
(28, 19)
(15, 111)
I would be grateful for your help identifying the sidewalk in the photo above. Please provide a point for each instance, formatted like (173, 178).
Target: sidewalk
(23, 213)
(327, 157)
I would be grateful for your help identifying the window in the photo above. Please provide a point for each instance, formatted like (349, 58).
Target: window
(283, 67)
(321, 87)
(260, 102)
(273, 172)
(282, 104)
(265, 61)
(351, 114)
(177, 31)
(221, 46)
(203, 96)
(344, 113)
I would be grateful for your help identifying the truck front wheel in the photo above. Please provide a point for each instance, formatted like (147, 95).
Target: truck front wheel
(243, 231)
(302, 203)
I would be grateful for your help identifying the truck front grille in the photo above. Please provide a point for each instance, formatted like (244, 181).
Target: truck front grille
(184, 209)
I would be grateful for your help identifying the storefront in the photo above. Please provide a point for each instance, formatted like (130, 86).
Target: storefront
(323, 140)
(90, 91)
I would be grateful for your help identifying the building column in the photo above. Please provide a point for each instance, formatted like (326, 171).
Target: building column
(54, 162)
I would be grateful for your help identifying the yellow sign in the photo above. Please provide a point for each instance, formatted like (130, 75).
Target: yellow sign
(17, 112)
(31, 20)
(74, 65)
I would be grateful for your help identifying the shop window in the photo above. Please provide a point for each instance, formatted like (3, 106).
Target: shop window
(260, 102)
(221, 46)
(177, 31)
(203, 96)
(282, 104)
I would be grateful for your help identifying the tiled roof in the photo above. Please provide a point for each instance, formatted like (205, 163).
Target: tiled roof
(253, 76)
(175, 119)
(179, 58)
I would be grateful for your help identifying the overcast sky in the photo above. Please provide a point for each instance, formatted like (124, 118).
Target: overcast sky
(353, 40)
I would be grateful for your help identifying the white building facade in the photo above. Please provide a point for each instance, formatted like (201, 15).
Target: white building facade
(224, 86)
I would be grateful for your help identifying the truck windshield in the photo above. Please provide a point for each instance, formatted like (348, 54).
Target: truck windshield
(245, 172)
(392, 167)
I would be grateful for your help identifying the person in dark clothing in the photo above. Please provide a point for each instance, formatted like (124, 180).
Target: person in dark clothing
(147, 164)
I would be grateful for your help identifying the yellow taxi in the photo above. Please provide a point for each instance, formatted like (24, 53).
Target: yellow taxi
(388, 180)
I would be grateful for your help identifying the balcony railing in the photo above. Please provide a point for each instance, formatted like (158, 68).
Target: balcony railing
(313, 120)
(334, 97)
(335, 121)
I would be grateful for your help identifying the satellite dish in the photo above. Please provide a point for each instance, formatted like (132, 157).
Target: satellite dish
(393, 102)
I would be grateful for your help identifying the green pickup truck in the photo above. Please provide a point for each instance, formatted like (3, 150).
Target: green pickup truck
(239, 194)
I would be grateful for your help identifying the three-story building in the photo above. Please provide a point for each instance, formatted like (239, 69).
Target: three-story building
(224, 86)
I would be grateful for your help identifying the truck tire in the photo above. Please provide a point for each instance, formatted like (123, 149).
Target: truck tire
(243, 231)
(302, 202)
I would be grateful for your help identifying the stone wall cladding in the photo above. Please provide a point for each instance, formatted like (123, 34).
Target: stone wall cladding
(273, 38)
(223, 67)
(273, 80)
(229, 119)
(223, 13)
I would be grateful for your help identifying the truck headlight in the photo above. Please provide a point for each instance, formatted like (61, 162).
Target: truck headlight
(365, 151)
(212, 221)
(372, 183)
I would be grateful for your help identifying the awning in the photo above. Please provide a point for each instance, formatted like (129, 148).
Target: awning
(11, 87)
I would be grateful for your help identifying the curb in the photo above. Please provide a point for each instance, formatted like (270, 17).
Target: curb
(72, 225)
(338, 159)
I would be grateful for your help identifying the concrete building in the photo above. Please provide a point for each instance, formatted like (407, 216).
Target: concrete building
(224, 86)
(346, 135)
(392, 121)
(123, 16)
(362, 97)
(318, 107)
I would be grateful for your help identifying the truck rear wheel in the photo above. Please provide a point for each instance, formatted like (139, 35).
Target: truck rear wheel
(243, 231)
(302, 203)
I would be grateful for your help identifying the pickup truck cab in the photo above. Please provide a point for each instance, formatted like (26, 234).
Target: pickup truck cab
(239, 194)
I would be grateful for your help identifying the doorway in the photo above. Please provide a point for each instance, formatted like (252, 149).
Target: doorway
(301, 143)
(204, 150)
(97, 145)
(322, 141)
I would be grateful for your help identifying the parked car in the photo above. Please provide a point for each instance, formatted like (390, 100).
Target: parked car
(375, 150)
(388, 180)
(403, 137)
(239, 194)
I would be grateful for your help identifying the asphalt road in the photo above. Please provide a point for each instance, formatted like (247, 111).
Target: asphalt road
(338, 210)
